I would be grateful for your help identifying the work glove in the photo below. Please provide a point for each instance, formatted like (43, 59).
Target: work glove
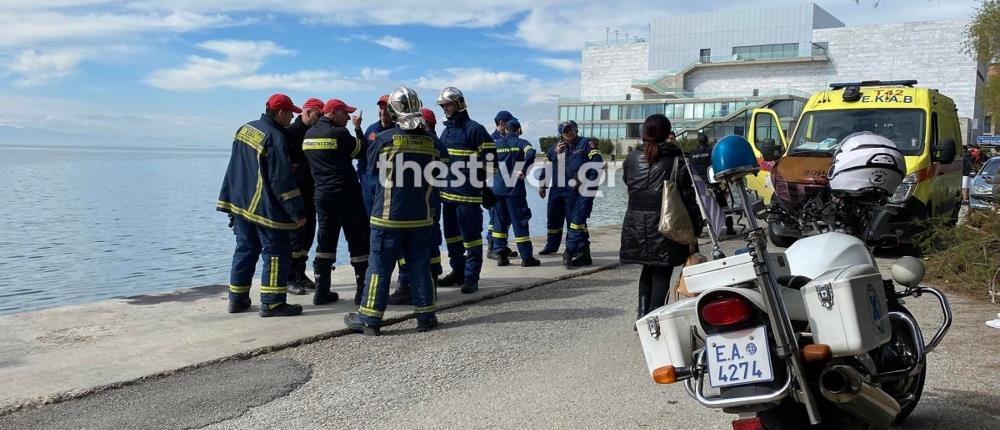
(489, 200)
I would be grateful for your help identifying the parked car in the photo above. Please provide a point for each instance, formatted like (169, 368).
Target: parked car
(981, 194)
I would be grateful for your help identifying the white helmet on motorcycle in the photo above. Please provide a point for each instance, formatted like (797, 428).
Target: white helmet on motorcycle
(866, 164)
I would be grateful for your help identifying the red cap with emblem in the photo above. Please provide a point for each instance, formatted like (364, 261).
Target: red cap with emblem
(428, 115)
(384, 100)
(282, 102)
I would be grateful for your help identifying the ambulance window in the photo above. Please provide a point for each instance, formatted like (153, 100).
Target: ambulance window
(934, 130)
(765, 127)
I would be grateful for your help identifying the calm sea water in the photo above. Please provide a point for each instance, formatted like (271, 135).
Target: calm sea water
(85, 224)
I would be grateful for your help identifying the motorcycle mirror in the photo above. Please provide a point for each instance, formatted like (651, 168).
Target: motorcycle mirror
(908, 271)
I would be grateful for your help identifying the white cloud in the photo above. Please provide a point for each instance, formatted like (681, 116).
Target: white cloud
(469, 79)
(239, 66)
(35, 68)
(563, 64)
(25, 28)
(394, 43)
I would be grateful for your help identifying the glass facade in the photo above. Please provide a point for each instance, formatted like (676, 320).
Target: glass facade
(781, 50)
(640, 111)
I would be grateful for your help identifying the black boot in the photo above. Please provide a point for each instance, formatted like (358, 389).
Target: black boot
(427, 325)
(401, 296)
(279, 310)
(503, 258)
(470, 287)
(323, 295)
(300, 283)
(729, 226)
(583, 259)
(530, 262)
(239, 304)
(642, 309)
(354, 323)
(360, 283)
(453, 279)
(567, 260)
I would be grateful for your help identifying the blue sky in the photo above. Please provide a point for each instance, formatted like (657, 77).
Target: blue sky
(189, 72)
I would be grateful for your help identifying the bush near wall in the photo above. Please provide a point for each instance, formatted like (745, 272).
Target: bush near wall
(963, 258)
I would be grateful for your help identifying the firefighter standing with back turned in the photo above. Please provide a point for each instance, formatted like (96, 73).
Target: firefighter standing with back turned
(260, 194)
(331, 150)
(462, 215)
(514, 157)
(401, 217)
(302, 239)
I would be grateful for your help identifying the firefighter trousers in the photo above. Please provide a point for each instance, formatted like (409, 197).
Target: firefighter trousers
(387, 247)
(463, 233)
(273, 247)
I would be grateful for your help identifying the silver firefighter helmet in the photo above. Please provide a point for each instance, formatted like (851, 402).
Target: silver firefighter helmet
(404, 106)
(452, 95)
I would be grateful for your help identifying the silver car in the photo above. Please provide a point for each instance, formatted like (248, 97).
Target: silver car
(981, 193)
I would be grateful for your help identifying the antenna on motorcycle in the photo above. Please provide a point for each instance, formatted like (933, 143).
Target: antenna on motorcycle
(717, 253)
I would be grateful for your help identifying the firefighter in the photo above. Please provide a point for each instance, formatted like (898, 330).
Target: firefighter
(302, 239)
(553, 185)
(369, 182)
(500, 121)
(514, 157)
(331, 149)
(265, 206)
(401, 296)
(470, 147)
(583, 167)
(401, 217)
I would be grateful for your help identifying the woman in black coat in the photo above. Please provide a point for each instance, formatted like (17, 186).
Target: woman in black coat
(642, 243)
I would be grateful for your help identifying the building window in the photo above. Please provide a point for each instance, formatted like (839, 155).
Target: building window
(820, 49)
(755, 52)
(563, 113)
(705, 56)
(605, 113)
(633, 131)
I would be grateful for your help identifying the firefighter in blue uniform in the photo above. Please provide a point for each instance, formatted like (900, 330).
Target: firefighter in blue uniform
(369, 182)
(583, 168)
(265, 205)
(553, 184)
(401, 296)
(466, 191)
(401, 216)
(514, 157)
(331, 149)
(302, 239)
(500, 121)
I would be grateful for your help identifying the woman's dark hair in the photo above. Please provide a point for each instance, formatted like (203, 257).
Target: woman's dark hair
(654, 131)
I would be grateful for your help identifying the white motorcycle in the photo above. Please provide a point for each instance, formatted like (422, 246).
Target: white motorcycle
(810, 337)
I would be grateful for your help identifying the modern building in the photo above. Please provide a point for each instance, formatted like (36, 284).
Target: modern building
(708, 71)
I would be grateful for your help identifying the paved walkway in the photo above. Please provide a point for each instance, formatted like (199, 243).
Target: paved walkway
(64, 352)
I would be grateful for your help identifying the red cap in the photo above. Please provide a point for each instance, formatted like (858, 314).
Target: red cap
(334, 104)
(428, 115)
(384, 100)
(313, 103)
(282, 102)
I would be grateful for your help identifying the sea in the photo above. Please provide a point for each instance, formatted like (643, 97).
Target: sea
(82, 224)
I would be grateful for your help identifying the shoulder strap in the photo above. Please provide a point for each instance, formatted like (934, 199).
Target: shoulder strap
(673, 172)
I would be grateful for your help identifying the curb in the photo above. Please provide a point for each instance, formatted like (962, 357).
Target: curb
(78, 394)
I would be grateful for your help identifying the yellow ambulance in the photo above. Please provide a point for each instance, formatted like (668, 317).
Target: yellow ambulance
(922, 122)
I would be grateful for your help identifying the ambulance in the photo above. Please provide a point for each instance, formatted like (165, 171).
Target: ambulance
(923, 124)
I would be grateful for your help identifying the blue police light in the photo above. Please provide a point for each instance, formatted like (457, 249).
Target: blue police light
(733, 158)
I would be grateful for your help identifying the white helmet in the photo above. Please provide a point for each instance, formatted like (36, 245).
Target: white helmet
(866, 163)
(404, 106)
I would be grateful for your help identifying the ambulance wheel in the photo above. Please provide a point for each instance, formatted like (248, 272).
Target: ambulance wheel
(777, 239)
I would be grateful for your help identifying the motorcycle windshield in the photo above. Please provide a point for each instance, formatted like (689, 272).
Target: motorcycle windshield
(822, 131)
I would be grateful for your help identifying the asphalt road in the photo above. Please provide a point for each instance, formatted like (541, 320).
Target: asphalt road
(559, 356)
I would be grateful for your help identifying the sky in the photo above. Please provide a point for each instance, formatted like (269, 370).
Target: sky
(190, 72)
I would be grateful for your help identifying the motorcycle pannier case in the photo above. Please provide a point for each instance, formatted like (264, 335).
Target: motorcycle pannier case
(847, 309)
(666, 334)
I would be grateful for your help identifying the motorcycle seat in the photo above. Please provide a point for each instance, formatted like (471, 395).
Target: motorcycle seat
(794, 282)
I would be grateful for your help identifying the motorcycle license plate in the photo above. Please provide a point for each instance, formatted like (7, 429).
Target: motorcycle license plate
(738, 357)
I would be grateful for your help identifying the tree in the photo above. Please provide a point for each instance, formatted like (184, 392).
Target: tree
(991, 95)
(984, 32)
(606, 146)
(547, 142)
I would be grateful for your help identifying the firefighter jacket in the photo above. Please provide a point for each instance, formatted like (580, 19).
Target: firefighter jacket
(514, 155)
(300, 166)
(259, 185)
(579, 154)
(466, 139)
(331, 151)
(403, 202)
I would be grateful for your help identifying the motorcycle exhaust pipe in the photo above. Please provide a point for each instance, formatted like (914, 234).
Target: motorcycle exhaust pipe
(844, 386)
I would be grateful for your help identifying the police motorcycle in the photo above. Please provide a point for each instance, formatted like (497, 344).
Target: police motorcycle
(813, 337)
